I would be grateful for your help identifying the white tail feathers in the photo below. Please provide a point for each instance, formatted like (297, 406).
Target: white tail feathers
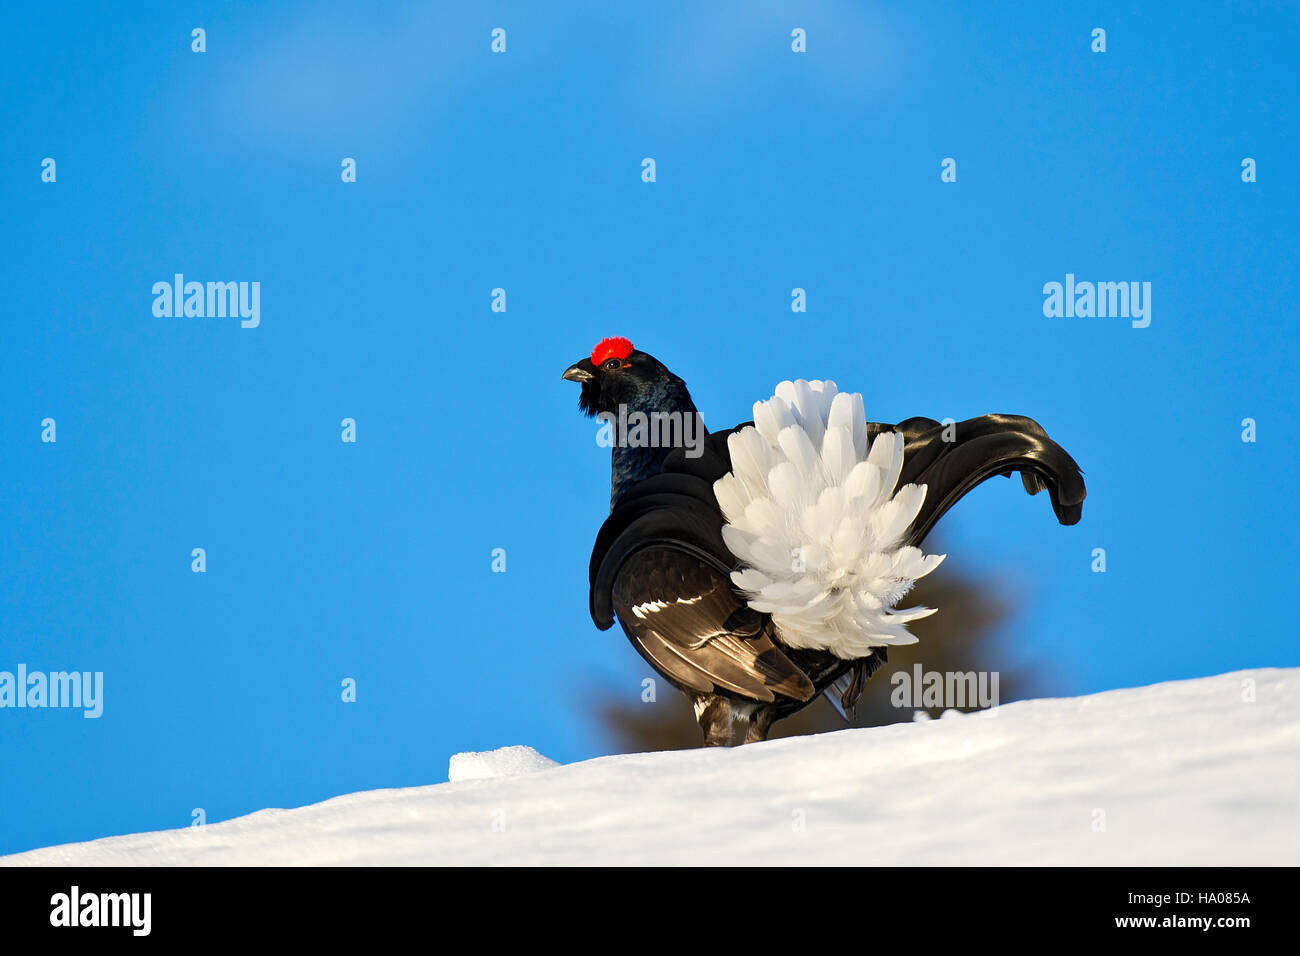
(813, 514)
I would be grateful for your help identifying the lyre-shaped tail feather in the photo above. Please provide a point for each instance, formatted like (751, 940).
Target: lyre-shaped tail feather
(979, 449)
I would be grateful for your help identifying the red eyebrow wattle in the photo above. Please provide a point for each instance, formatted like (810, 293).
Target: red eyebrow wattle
(619, 348)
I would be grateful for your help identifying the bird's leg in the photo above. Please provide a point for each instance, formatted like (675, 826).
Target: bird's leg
(760, 722)
(715, 720)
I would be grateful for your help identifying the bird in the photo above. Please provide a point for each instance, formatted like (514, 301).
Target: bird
(759, 567)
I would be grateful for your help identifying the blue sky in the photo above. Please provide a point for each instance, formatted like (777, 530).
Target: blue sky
(522, 171)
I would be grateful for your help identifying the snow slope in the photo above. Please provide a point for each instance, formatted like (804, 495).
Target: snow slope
(1189, 772)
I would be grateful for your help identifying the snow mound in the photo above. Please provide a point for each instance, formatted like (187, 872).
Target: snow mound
(1196, 772)
(504, 762)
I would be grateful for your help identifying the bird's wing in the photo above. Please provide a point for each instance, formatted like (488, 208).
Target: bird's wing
(686, 620)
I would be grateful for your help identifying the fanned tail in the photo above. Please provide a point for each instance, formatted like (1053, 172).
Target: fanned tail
(817, 518)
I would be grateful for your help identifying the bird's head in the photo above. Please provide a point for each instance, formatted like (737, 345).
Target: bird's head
(617, 374)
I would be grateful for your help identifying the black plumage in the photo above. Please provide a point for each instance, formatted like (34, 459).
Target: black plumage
(661, 568)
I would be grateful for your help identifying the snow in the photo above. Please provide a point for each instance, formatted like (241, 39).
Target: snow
(505, 762)
(1202, 771)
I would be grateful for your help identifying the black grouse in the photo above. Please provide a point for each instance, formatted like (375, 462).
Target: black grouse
(757, 567)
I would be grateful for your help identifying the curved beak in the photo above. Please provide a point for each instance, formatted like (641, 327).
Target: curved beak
(579, 372)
